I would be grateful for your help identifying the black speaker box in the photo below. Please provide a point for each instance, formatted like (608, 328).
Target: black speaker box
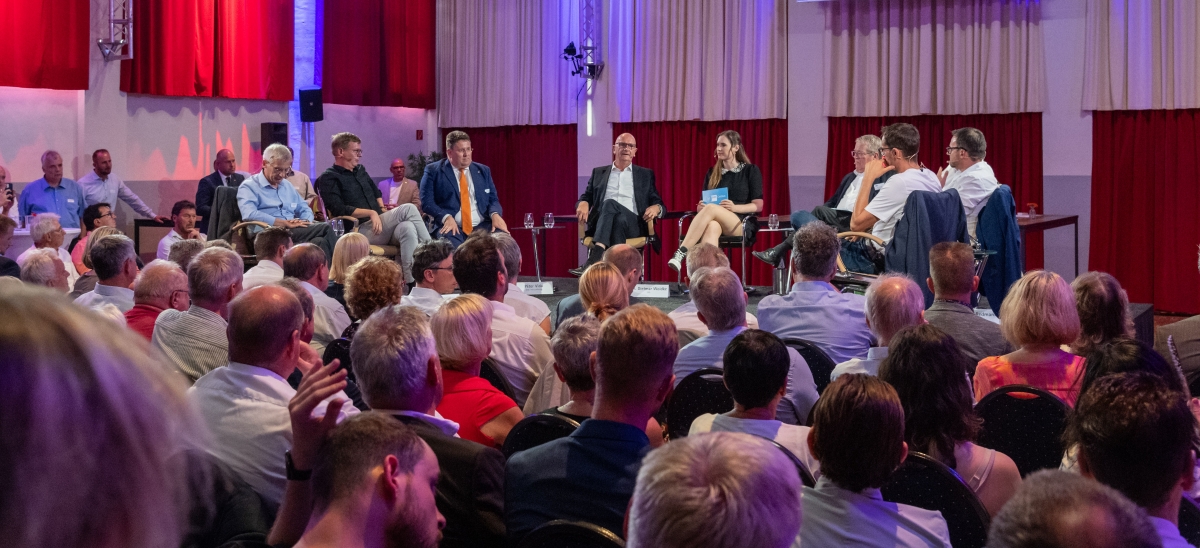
(312, 108)
(273, 132)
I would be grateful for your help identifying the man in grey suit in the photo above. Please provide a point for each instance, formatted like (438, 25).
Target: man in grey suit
(953, 280)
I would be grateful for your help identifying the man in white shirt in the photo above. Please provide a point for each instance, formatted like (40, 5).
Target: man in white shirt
(115, 263)
(893, 302)
(47, 232)
(433, 269)
(880, 215)
(306, 262)
(194, 341)
(968, 173)
(269, 247)
(183, 216)
(687, 317)
(526, 306)
(101, 186)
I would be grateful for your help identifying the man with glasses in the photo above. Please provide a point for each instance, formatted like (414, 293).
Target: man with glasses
(460, 194)
(101, 186)
(625, 201)
(399, 189)
(433, 266)
(968, 173)
(183, 216)
(881, 213)
(262, 198)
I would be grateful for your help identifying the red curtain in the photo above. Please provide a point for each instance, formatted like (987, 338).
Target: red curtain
(46, 44)
(379, 53)
(1145, 225)
(681, 152)
(538, 188)
(1014, 152)
(240, 49)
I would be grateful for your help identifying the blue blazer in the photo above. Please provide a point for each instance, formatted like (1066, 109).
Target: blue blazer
(439, 191)
(206, 191)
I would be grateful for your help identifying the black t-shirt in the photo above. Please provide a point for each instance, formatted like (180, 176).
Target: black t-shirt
(744, 185)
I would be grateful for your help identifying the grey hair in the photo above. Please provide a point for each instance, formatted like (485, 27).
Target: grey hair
(894, 302)
(972, 141)
(50, 154)
(716, 490)
(109, 254)
(306, 299)
(719, 296)
(43, 224)
(704, 255)
(572, 345)
(38, 268)
(277, 151)
(212, 273)
(157, 280)
(873, 142)
(815, 249)
(389, 354)
(183, 251)
(511, 253)
(1053, 504)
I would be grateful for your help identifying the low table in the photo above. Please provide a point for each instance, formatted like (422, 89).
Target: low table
(1042, 223)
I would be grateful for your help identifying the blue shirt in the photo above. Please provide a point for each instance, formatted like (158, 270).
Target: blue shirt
(259, 201)
(587, 476)
(817, 312)
(65, 200)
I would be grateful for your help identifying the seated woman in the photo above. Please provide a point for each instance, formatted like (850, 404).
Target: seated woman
(371, 284)
(744, 181)
(603, 291)
(1038, 317)
(928, 371)
(350, 249)
(462, 329)
(1103, 311)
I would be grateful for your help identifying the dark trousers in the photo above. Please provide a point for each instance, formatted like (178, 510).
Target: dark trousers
(826, 215)
(615, 224)
(318, 234)
(457, 239)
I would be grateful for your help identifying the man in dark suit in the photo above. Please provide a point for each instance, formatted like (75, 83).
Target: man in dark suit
(223, 175)
(396, 363)
(446, 181)
(8, 267)
(619, 201)
(627, 260)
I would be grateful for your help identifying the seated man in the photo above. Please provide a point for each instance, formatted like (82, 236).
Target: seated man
(8, 267)
(116, 268)
(306, 262)
(101, 186)
(399, 190)
(674, 504)
(721, 303)
(880, 215)
(625, 201)
(520, 347)
(757, 366)
(263, 198)
(968, 173)
(858, 436)
(814, 310)
(224, 174)
(1137, 436)
(53, 193)
(194, 341)
(269, 247)
(348, 190)
(527, 307)
(94, 217)
(161, 285)
(590, 475)
(183, 215)
(460, 194)
(433, 268)
(893, 303)
(700, 256)
(625, 258)
(952, 279)
(47, 233)
(45, 268)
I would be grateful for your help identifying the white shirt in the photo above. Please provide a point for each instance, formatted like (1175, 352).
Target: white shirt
(475, 220)
(870, 365)
(390, 188)
(72, 274)
(263, 273)
(974, 185)
(108, 191)
(520, 348)
(526, 306)
(685, 317)
(839, 517)
(620, 187)
(851, 196)
(888, 205)
(428, 300)
(329, 318)
(120, 297)
(164, 245)
(246, 410)
(1169, 533)
(793, 438)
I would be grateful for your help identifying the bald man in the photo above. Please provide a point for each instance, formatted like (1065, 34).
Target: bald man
(619, 202)
(161, 285)
(54, 193)
(399, 189)
(224, 174)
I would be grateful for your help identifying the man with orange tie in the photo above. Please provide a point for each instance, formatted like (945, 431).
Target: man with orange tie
(460, 194)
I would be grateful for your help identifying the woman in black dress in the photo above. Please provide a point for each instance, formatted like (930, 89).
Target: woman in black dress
(744, 181)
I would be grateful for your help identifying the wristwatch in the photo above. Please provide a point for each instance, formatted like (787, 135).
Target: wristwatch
(292, 473)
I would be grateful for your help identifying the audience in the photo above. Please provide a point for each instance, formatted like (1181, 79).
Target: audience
(88, 280)
(686, 317)
(858, 435)
(893, 302)
(1039, 317)
(720, 490)
(8, 267)
(193, 341)
(371, 283)
(433, 270)
(757, 366)
(462, 330)
(183, 217)
(47, 233)
(526, 306)
(926, 368)
(627, 260)
(161, 285)
(1184, 347)
(94, 216)
(306, 262)
(115, 262)
(184, 251)
(269, 248)
(1103, 311)
(632, 370)
(952, 279)
(349, 249)
(603, 291)
(45, 268)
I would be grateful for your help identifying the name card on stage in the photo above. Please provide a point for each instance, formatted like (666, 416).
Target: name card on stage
(987, 314)
(536, 288)
(652, 291)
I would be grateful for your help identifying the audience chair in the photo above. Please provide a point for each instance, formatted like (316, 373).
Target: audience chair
(561, 533)
(642, 243)
(818, 361)
(701, 392)
(841, 265)
(924, 482)
(1025, 423)
(806, 476)
(339, 350)
(1189, 521)
(490, 372)
(535, 430)
(744, 242)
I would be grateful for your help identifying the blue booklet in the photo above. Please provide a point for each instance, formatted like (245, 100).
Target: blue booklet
(715, 196)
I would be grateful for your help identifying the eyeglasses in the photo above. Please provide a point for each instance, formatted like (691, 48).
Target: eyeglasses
(109, 214)
(948, 149)
(857, 154)
(463, 150)
(440, 268)
(185, 295)
(626, 145)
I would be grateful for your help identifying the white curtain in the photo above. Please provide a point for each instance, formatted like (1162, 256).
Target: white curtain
(913, 57)
(499, 62)
(695, 60)
(1141, 54)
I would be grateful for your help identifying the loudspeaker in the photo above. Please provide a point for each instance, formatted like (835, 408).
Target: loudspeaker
(273, 132)
(312, 108)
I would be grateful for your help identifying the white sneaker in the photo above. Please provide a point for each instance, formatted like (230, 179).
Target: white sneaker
(676, 262)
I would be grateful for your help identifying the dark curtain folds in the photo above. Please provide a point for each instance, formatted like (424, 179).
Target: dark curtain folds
(238, 49)
(379, 53)
(540, 187)
(681, 152)
(46, 44)
(1014, 150)
(1145, 200)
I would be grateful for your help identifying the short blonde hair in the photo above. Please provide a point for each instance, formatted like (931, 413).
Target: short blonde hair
(1039, 309)
(371, 284)
(462, 329)
(603, 291)
(349, 250)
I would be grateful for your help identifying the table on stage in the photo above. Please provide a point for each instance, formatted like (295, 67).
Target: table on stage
(1042, 223)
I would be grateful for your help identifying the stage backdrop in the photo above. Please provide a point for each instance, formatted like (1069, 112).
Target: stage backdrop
(379, 53)
(534, 168)
(681, 152)
(46, 44)
(1014, 143)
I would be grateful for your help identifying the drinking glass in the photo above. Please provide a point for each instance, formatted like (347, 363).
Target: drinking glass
(773, 221)
(528, 220)
(548, 220)
(338, 227)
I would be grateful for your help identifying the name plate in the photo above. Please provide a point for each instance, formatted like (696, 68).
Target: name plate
(987, 314)
(536, 288)
(652, 291)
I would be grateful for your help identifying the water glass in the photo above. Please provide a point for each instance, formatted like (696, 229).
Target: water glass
(773, 221)
(548, 220)
(528, 220)
(338, 227)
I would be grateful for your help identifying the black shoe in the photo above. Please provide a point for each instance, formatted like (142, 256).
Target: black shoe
(578, 272)
(771, 256)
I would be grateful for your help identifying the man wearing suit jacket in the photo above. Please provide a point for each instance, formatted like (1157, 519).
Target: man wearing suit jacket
(223, 175)
(620, 193)
(446, 181)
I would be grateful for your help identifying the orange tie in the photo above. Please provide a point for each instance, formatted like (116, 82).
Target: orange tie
(464, 197)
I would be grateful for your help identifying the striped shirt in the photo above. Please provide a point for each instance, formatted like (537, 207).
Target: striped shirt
(193, 342)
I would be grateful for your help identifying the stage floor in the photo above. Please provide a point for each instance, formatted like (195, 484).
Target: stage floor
(564, 287)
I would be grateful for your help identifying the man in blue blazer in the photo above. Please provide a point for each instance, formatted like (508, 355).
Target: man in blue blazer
(442, 187)
(223, 175)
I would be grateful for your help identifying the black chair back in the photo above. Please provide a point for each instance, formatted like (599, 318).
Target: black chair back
(339, 349)
(818, 361)
(701, 392)
(806, 476)
(1189, 521)
(561, 533)
(1025, 423)
(535, 430)
(490, 372)
(924, 482)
